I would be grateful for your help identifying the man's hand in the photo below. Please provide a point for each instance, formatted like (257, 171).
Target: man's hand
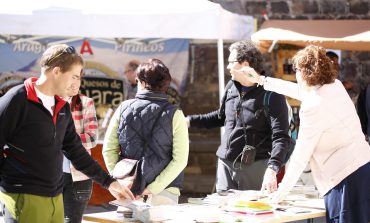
(120, 192)
(269, 181)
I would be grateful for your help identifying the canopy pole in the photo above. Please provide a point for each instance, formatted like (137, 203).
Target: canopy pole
(221, 73)
(221, 68)
(272, 45)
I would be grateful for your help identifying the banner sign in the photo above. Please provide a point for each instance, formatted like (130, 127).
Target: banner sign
(103, 90)
(105, 60)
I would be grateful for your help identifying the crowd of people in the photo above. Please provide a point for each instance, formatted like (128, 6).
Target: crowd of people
(48, 129)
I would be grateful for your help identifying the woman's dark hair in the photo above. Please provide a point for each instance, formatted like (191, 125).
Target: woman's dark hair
(247, 51)
(316, 68)
(62, 56)
(154, 75)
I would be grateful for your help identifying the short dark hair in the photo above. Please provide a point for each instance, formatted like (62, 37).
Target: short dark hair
(62, 56)
(332, 55)
(316, 68)
(247, 51)
(155, 75)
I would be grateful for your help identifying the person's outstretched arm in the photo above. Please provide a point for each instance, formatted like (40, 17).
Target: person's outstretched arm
(82, 161)
(209, 120)
(283, 87)
(310, 132)
(10, 111)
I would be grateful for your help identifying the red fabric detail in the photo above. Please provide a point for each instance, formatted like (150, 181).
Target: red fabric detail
(29, 84)
(280, 175)
(84, 117)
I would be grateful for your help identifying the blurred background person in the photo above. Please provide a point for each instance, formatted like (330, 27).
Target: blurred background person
(347, 79)
(130, 84)
(363, 110)
(335, 60)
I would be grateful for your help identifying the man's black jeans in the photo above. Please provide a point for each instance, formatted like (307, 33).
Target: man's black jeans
(76, 195)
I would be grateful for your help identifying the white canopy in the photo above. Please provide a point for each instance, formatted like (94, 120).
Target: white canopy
(194, 19)
(332, 34)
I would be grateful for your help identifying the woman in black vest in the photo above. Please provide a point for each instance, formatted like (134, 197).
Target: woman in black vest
(153, 131)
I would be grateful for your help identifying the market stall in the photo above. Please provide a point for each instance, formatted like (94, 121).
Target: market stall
(332, 34)
(193, 19)
(283, 38)
(235, 206)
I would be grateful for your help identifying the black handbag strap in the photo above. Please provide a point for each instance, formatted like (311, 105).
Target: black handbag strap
(241, 154)
(245, 129)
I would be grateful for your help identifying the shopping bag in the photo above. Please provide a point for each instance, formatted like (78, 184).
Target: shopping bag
(124, 168)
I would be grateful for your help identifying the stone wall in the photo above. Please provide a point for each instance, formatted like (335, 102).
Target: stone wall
(202, 83)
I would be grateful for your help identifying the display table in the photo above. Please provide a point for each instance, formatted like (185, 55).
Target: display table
(107, 217)
(278, 216)
(204, 213)
(302, 203)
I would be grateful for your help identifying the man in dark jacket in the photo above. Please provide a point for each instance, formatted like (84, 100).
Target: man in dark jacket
(255, 142)
(36, 130)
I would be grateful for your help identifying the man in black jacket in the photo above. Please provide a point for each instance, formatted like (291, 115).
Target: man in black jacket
(36, 130)
(255, 142)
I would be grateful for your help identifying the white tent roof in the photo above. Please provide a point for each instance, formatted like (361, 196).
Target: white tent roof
(195, 19)
(332, 34)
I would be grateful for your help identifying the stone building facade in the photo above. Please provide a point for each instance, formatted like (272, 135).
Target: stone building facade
(202, 82)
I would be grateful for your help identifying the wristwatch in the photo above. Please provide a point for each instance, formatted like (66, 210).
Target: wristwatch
(274, 168)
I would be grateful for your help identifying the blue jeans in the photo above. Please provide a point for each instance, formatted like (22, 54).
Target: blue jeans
(76, 195)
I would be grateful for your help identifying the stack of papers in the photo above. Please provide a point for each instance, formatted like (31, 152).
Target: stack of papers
(221, 199)
(130, 208)
(127, 212)
(178, 213)
(249, 207)
(307, 191)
